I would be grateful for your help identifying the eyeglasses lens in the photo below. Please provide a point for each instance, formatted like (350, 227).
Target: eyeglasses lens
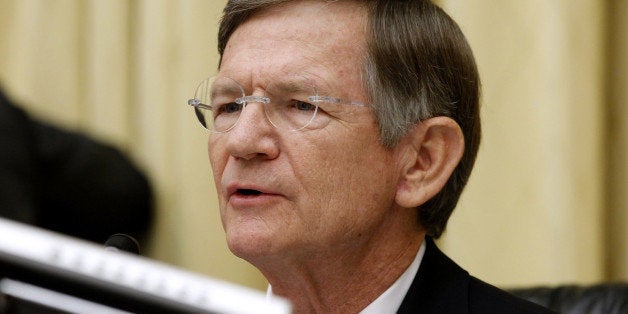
(219, 102)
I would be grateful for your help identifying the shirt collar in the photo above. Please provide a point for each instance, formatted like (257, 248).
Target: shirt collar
(391, 299)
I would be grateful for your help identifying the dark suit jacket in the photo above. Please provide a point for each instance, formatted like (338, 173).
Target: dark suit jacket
(441, 286)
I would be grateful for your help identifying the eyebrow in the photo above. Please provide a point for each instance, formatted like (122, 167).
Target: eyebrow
(295, 86)
(287, 81)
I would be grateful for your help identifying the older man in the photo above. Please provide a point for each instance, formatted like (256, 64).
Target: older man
(342, 134)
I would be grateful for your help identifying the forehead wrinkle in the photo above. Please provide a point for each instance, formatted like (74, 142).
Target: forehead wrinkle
(315, 67)
(323, 55)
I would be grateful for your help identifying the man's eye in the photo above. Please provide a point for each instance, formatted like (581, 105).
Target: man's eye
(228, 108)
(304, 106)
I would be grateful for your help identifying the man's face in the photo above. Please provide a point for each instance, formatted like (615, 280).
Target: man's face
(298, 193)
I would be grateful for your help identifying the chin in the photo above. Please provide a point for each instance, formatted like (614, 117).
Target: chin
(249, 245)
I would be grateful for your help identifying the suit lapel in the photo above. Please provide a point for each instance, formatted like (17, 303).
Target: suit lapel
(440, 285)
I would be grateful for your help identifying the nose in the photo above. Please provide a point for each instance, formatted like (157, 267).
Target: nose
(253, 137)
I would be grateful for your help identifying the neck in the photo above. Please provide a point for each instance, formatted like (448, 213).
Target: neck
(347, 279)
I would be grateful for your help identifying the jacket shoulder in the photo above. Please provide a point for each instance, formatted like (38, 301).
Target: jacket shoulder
(485, 298)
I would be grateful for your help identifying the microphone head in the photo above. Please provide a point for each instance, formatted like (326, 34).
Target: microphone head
(123, 242)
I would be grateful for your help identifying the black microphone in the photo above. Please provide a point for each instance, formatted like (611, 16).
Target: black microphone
(122, 242)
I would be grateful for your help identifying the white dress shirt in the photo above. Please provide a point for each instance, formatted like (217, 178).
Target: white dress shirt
(390, 301)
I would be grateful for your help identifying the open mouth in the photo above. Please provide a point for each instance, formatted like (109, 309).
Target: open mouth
(248, 192)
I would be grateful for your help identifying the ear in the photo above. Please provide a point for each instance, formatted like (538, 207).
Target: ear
(429, 153)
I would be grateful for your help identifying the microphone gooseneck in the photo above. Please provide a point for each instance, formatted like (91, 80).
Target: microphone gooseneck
(122, 242)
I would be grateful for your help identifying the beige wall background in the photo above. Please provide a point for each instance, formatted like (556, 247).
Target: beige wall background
(547, 203)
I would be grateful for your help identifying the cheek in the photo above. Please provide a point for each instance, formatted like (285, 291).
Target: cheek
(216, 152)
(218, 160)
(347, 181)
